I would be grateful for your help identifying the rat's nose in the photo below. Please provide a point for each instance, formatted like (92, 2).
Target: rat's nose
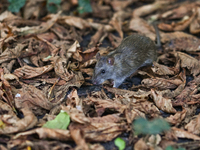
(94, 82)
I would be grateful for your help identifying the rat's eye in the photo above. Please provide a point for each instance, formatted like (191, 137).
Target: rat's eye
(103, 71)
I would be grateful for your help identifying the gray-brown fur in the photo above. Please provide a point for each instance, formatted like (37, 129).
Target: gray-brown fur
(134, 52)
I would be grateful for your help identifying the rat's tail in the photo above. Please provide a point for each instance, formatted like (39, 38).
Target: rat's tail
(158, 43)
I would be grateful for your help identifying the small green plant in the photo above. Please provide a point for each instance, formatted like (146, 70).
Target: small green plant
(156, 126)
(172, 148)
(16, 5)
(53, 5)
(61, 121)
(120, 143)
(84, 6)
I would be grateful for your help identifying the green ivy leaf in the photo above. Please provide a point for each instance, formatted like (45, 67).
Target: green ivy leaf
(156, 126)
(16, 5)
(61, 121)
(52, 5)
(84, 6)
(172, 148)
(120, 143)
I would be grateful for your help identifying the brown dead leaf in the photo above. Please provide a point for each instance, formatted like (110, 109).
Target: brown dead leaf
(74, 21)
(76, 115)
(141, 26)
(147, 9)
(27, 72)
(38, 29)
(194, 26)
(162, 69)
(179, 26)
(162, 103)
(118, 5)
(61, 91)
(14, 124)
(116, 21)
(100, 131)
(188, 44)
(32, 9)
(161, 83)
(32, 98)
(10, 54)
(96, 37)
(167, 37)
(44, 133)
(177, 118)
(141, 145)
(184, 134)
(5, 108)
(89, 53)
(101, 105)
(194, 125)
(60, 67)
(78, 137)
(188, 62)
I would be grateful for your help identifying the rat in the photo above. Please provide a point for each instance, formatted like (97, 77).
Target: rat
(135, 51)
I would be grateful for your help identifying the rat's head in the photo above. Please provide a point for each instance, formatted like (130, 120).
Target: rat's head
(103, 69)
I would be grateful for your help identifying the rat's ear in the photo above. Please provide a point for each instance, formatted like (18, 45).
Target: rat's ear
(98, 56)
(111, 60)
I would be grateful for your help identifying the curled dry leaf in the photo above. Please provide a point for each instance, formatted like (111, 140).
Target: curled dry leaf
(186, 93)
(118, 5)
(10, 54)
(73, 98)
(38, 29)
(74, 21)
(96, 37)
(88, 63)
(89, 53)
(4, 107)
(162, 103)
(14, 124)
(88, 71)
(184, 134)
(76, 81)
(101, 105)
(141, 26)
(60, 67)
(27, 72)
(188, 62)
(72, 51)
(114, 118)
(79, 139)
(180, 12)
(161, 83)
(188, 44)
(194, 125)
(100, 131)
(194, 26)
(177, 118)
(32, 98)
(44, 133)
(116, 21)
(147, 9)
(179, 26)
(167, 37)
(141, 145)
(162, 69)
(76, 115)
(11, 77)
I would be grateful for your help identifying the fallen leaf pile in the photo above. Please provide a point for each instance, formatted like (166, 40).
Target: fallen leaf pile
(47, 61)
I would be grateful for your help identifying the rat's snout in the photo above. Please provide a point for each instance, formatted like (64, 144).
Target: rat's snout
(94, 81)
